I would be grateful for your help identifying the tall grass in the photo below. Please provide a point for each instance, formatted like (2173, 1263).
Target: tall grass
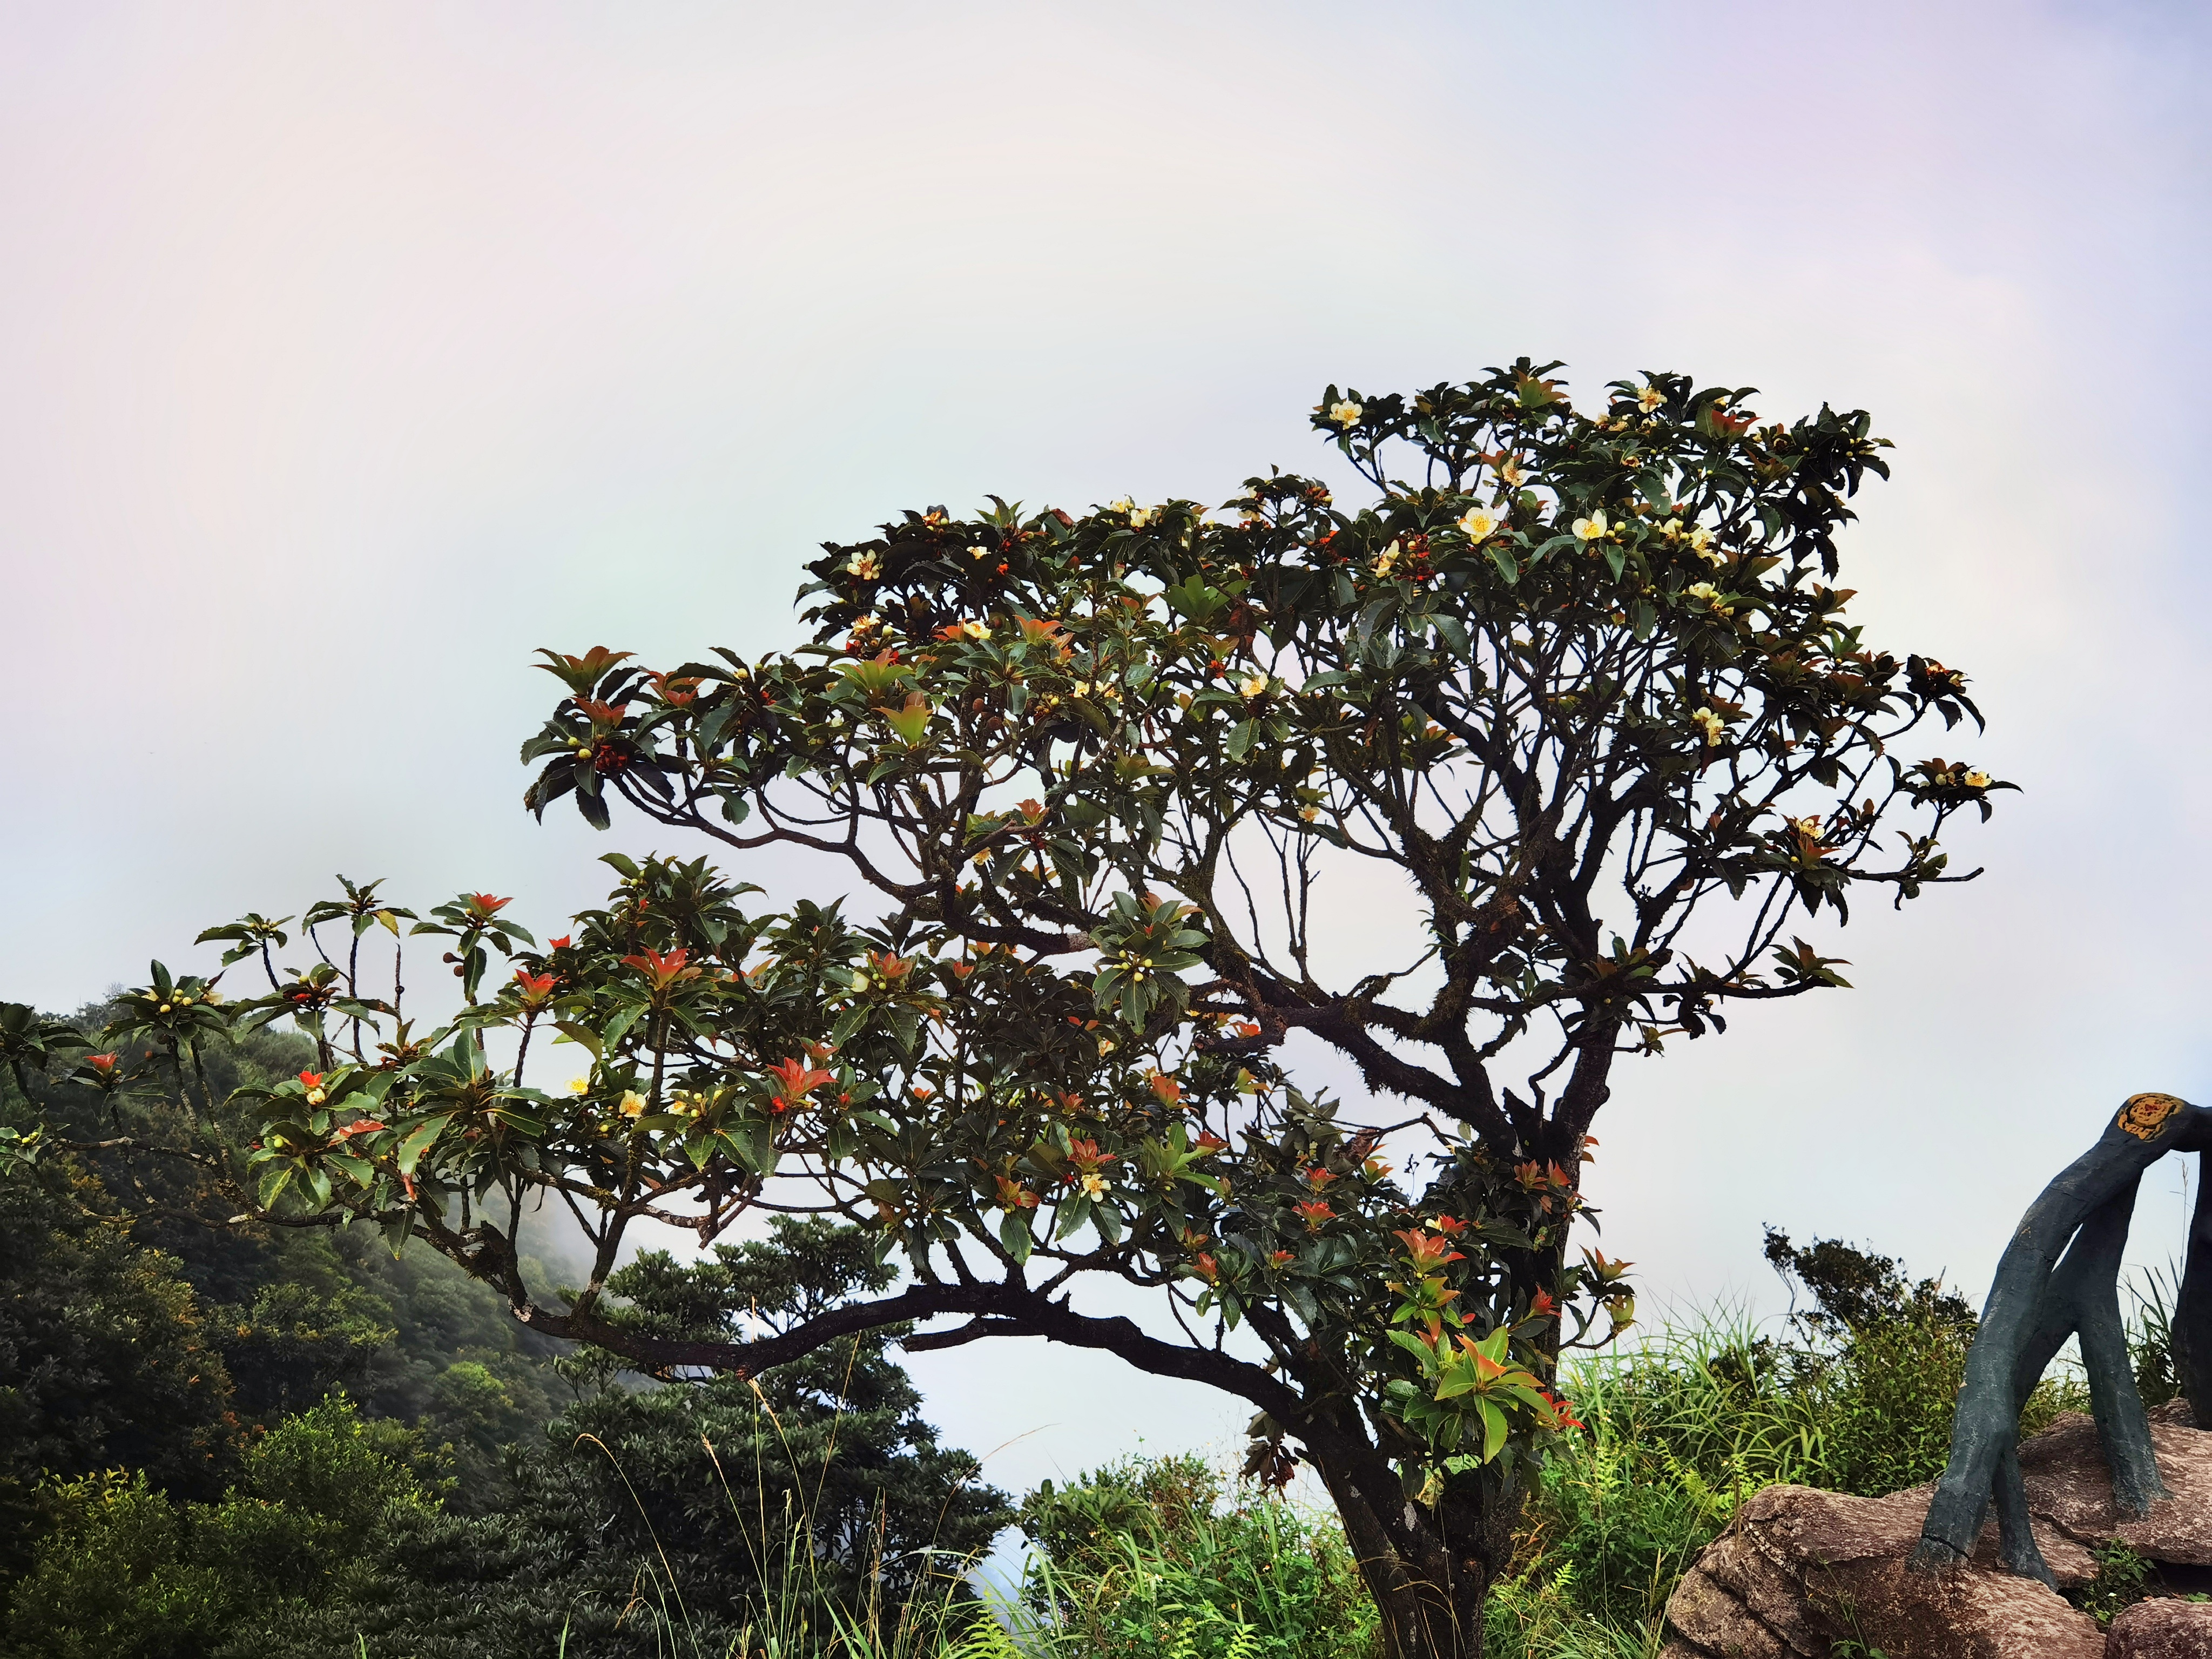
(797, 1613)
(1158, 1557)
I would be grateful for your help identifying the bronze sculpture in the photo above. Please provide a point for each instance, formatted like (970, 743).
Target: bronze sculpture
(2038, 1299)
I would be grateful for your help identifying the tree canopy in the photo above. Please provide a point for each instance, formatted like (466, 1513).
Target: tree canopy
(1572, 680)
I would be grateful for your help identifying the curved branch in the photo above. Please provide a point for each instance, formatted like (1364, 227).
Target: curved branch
(997, 1309)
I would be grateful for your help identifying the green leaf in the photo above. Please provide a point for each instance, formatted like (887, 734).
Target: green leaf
(1493, 1430)
(1504, 560)
(581, 1034)
(1413, 1345)
(1014, 1234)
(418, 1141)
(617, 1028)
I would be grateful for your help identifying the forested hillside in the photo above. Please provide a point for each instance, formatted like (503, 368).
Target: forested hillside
(220, 1438)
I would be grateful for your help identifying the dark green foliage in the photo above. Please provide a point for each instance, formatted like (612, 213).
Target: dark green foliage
(128, 1573)
(1854, 1291)
(199, 1496)
(1883, 1363)
(285, 1313)
(106, 1361)
(819, 1487)
(701, 1496)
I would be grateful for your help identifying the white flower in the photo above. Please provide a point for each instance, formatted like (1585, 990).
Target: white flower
(1701, 544)
(1976, 780)
(979, 551)
(315, 1097)
(1480, 523)
(1672, 530)
(1384, 560)
(1807, 827)
(1649, 396)
(1345, 415)
(865, 566)
(578, 1085)
(1093, 1186)
(633, 1103)
(1105, 1047)
(975, 630)
(1123, 505)
(1141, 516)
(1255, 687)
(1511, 469)
(1709, 723)
(1591, 528)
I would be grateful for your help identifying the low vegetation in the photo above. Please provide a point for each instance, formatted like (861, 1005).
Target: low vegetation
(283, 1445)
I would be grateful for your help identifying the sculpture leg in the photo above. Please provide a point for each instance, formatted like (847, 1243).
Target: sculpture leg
(2016, 1545)
(2122, 1425)
(2192, 1307)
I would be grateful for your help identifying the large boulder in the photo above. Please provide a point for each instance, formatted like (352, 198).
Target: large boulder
(2162, 1629)
(1800, 1570)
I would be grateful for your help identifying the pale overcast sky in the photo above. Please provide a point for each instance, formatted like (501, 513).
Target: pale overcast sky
(346, 353)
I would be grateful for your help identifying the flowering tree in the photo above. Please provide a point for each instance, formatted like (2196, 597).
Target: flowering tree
(1571, 678)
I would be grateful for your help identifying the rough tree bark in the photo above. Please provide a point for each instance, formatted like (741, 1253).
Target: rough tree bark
(2059, 1277)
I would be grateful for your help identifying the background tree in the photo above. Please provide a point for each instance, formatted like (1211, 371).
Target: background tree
(1574, 680)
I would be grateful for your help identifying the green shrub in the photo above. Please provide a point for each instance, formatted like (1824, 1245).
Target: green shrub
(126, 1570)
(1143, 1558)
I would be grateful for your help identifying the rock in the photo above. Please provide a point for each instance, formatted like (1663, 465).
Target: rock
(2163, 1629)
(1800, 1570)
(2064, 1470)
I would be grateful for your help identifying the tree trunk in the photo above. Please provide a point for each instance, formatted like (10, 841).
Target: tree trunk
(2037, 1302)
(1429, 1570)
